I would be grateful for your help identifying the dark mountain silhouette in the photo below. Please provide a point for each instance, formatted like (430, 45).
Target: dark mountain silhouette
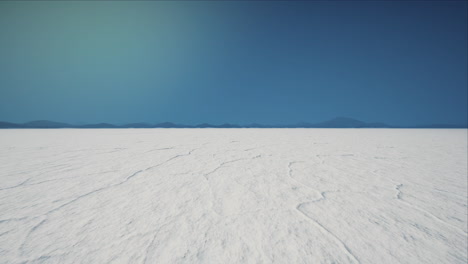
(345, 122)
(170, 125)
(339, 122)
(45, 124)
(100, 125)
(226, 125)
(204, 125)
(9, 125)
(137, 125)
(342, 122)
(256, 125)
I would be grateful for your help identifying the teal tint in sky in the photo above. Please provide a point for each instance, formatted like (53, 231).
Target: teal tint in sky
(402, 62)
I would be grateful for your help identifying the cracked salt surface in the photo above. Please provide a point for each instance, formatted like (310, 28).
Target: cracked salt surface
(233, 196)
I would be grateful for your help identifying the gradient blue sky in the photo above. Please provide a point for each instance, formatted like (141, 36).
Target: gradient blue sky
(402, 62)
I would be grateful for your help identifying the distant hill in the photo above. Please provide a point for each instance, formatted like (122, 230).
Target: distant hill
(100, 125)
(345, 122)
(137, 125)
(9, 125)
(339, 122)
(170, 125)
(45, 124)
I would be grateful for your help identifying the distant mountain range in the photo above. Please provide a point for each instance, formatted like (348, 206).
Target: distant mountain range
(339, 122)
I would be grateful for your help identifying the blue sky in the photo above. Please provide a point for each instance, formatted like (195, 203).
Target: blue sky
(401, 62)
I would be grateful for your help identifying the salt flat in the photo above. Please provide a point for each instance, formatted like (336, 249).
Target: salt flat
(233, 196)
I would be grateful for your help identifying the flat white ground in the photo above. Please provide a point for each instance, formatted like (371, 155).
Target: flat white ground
(233, 196)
